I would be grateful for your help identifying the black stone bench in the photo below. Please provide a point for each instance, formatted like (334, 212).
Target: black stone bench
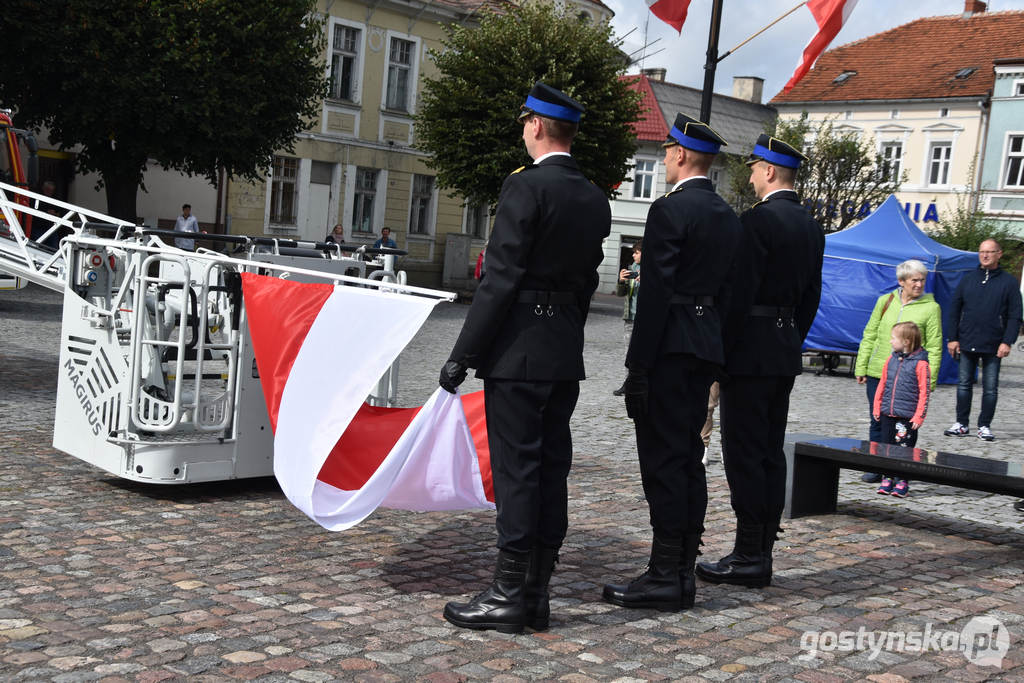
(812, 480)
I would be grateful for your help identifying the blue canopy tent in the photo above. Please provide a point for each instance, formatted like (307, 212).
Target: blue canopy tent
(860, 265)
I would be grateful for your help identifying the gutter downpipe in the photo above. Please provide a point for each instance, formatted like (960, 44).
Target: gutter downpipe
(986, 117)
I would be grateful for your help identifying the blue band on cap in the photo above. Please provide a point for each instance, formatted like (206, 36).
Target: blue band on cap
(776, 157)
(555, 111)
(695, 144)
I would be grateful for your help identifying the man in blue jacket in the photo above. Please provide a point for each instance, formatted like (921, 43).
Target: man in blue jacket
(983, 321)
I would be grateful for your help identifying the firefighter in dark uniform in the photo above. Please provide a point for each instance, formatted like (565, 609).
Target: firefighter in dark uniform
(777, 287)
(674, 355)
(524, 336)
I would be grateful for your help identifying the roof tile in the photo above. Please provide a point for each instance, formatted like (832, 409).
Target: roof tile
(918, 60)
(651, 125)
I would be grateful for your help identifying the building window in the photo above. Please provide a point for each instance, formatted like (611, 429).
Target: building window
(892, 160)
(400, 74)
(344, 62)
(714, 175)
(478, 218)
(419, 213)
(938, 169)
(284, 191)
(643, 179)
(847, 115)
(365, 194)
(1018, 89)
(894, 114)
(943, 113)
(1015, 162)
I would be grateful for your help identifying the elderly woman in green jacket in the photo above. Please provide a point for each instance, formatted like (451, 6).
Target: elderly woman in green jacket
(908, 302)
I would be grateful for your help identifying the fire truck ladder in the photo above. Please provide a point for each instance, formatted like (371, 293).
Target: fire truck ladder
(31, 259)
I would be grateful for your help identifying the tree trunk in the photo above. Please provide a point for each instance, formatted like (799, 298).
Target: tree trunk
(122, 190)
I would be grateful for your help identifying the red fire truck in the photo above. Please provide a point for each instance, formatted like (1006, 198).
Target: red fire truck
(18, 167)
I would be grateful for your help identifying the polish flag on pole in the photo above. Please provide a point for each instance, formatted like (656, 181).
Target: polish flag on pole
(337, 458)
(830, 16)
(672, 12)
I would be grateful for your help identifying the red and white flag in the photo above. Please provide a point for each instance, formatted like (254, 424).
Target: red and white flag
(336, 458)
(672, 12)
(830, 16)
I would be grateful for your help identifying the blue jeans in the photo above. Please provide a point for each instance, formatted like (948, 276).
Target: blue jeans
(969, 363)
(875, 430)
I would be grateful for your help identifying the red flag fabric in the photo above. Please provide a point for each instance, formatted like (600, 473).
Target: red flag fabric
(672, 12)
(336, 458)
(830, 16)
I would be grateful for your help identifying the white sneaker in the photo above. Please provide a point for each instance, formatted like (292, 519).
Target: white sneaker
(956, 430)
(985, 434)
(704, 460)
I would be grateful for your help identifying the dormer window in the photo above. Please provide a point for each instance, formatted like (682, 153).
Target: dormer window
(965, 73)
(843, 77)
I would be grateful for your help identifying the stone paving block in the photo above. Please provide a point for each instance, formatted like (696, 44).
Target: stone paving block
(121, 581)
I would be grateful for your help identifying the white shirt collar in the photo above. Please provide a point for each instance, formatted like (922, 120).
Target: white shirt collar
(542, 157)
(781, 189)
(676, 186)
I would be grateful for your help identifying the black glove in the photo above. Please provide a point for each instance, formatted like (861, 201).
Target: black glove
(453, 373)
(635, 391)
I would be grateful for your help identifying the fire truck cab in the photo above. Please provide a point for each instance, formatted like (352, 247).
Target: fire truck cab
(16, 148)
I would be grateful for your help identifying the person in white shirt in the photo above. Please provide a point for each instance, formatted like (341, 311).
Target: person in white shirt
(186, 222)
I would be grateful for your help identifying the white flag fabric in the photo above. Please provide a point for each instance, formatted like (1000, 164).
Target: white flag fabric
(830, 15)
(337, 470)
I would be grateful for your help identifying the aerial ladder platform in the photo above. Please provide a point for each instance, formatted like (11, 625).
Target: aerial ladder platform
(158, 382)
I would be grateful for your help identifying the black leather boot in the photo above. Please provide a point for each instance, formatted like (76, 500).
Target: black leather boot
(536, 600)
(746, 565)
(657, 588)
(501, 606)
(687, 580)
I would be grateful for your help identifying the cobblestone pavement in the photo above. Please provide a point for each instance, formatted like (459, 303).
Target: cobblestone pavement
(103, 579)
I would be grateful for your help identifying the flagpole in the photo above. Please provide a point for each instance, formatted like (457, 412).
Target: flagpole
(729, 52)
(711, 63)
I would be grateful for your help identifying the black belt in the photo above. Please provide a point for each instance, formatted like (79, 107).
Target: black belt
(691, 299)
(761, 311)
(546, 298)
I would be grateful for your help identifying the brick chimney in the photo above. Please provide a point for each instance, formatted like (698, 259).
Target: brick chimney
(656, 74)
(972, 7)
(749, 88)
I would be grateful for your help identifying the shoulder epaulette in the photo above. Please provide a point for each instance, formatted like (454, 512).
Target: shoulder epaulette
(759, 203)
(521, 168)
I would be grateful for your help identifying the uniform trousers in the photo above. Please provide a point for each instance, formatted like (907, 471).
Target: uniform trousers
(754, 415)
(531, 454)
(669, 446)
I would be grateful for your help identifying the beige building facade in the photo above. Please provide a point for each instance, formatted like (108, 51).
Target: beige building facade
(935, 143)
(356, 164)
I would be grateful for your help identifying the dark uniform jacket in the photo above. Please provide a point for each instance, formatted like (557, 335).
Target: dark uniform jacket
(547, 236)
(985, 311)
(690, 240)
(778, 265)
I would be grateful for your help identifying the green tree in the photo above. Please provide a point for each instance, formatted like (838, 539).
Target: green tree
(467, 115)
(197, 85)
(841, 180)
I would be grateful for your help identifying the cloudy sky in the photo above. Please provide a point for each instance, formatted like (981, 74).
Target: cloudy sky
(774, 54)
